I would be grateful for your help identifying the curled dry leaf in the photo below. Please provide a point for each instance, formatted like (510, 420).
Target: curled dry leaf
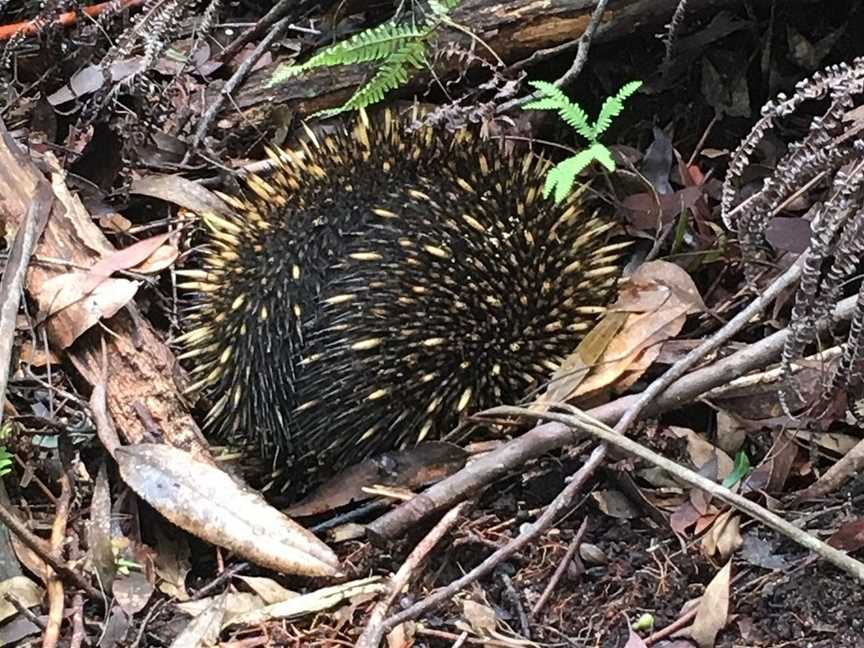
(654, 303)
(206, 502)
(23, 590)
(724, 536)
(712, 613)
(322, 599)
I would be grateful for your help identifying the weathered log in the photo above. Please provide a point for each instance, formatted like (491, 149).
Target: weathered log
(141, 396)
(513, 28)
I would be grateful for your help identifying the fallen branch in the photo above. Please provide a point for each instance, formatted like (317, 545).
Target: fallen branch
(580, 421)
(374, 631)
(561, 503)
(66, 19)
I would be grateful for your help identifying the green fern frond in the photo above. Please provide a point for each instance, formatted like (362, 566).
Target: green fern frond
(571, 112)
(613, 106)
(562, 176)
(5, 461)
(375, 44)
(389, 76)
(441, 8)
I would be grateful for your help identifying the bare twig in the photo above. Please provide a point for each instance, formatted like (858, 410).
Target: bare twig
(561, 569)
(54, 585)
(236, 79)
(13, 276)
(561, 502)
(374, 631)
(580, 421)
(575, 68)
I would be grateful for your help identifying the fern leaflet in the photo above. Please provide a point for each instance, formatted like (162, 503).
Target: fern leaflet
(613, 106)
(560, 179)
(390, 75)
(376, 44)
(554, 99)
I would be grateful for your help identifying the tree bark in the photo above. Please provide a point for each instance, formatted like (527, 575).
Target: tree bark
(513, 28)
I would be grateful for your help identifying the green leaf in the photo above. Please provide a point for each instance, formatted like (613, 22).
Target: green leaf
(562, 176)
(389, 76)
(741, 468)
(375, 44)
(603, 155)
(5, 461)
(571, 112)
(612, 107)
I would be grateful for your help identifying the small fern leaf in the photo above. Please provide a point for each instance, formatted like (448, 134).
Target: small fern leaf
(570, 112)
(376, 44)
(441, 8)
(613, 106)
(562, 176)
(389, 76)
(603, 155)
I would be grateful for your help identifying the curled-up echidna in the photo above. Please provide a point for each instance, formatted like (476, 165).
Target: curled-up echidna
(384, 282)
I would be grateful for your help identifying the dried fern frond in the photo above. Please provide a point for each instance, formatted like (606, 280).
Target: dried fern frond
(833, 153)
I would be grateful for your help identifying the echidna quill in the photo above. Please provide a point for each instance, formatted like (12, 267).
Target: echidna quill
(385, 282)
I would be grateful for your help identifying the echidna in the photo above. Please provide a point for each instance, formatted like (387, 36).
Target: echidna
(385, 281)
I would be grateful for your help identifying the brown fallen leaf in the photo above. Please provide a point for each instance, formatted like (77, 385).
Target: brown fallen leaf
(712, 613)
(849, 537)
(123, 259)
(724, 536)
(652, 307)
(322, 599)
(208, 503)
(61, 292)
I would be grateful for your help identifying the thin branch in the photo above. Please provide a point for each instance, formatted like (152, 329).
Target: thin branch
(374, 631)
(575, 68)
(581, 421)
(561, 503)
(236, 79)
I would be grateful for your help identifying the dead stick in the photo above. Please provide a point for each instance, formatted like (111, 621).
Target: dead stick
(66, 19)
(561, 503)
(562, 567)
(581, 421)
(374, 633)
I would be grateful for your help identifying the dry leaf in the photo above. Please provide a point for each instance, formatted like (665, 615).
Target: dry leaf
(204, 629)
(724, 537)
(481, 617)
(656, 299)
(269, 590)
(60, 292)
(702, 453)
(322, 599)
(132, 592)
(125, 259)
(712, 614)
(163, 257)
(407, 469)
(23, 590)
(206, 502)
(615, 504)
